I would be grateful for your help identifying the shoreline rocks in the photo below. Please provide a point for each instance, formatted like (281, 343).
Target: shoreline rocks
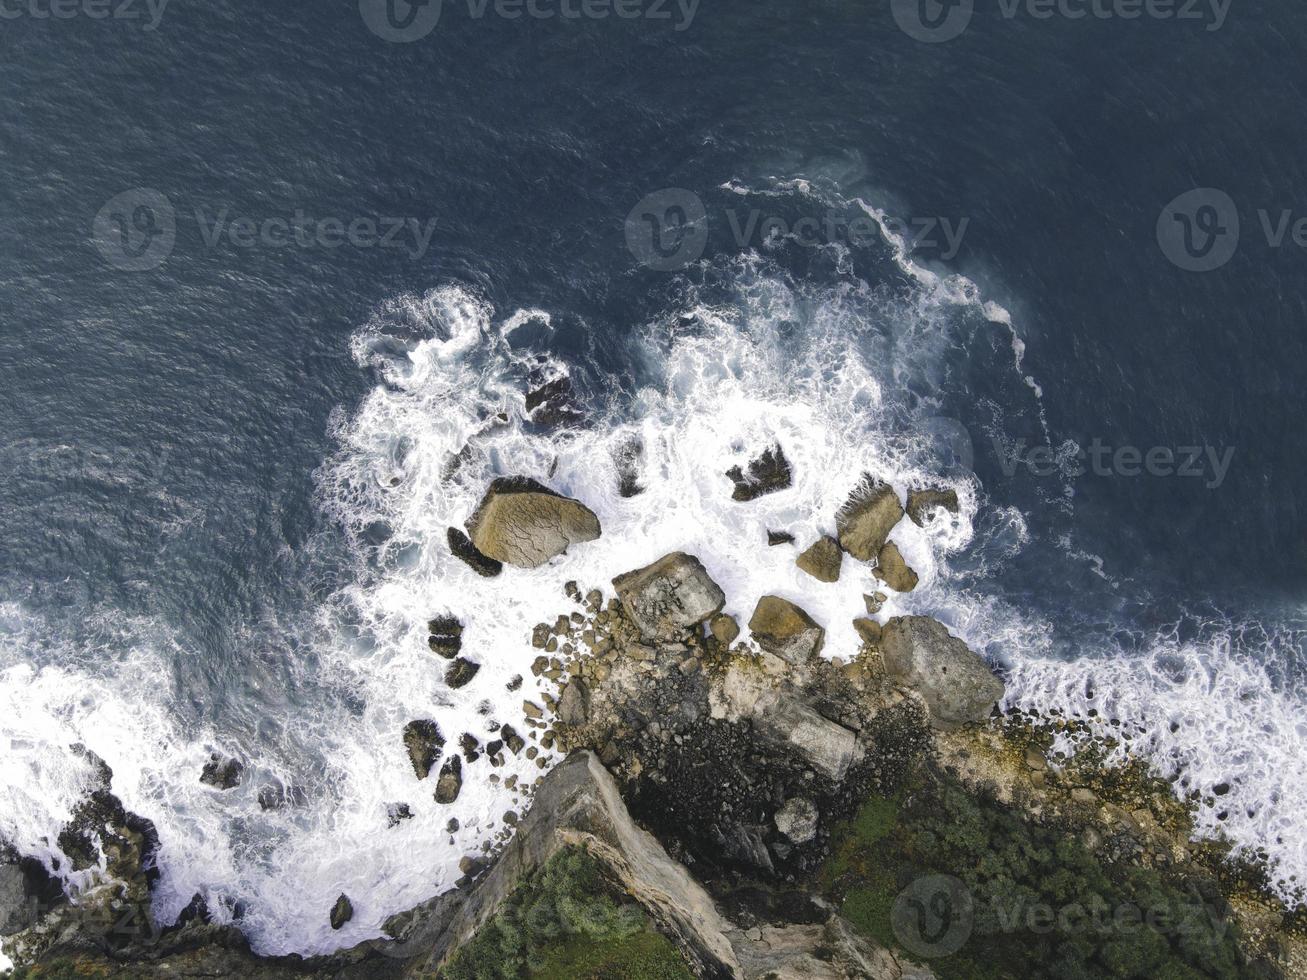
(766, 474)
(893, 570)
(782, 628)
(864, 522)
(822, 560)
(956, 684)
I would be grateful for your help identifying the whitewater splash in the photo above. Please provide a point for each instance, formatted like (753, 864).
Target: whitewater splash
(842, 375)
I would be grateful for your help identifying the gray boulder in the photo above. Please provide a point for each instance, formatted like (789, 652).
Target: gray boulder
(524, 523)
(790, 723)
(956, 684)
(867, 517)
(797, 820)
(669, 597)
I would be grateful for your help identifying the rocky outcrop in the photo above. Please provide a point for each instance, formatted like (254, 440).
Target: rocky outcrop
(866, 519)
(341, 912)
(522, 522)
(822, 561)
(768, 473)
(893, 570)
(782, 628)
(923, 503)
(956, 684)
(460, 672)
(445, 636)
(425, 745)
(579, 805)
(450, 783)
(669, 597)
(222, 772)
(462, 548)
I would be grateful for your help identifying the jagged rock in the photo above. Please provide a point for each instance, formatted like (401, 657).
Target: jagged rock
(450, 783)
(551, 403)
(577, 805)
(779, 537)
(446, 637)
(893, 570)
(222, 773)
(822, 561)
(524, 523)
(921, 503)
(341, 912)
(724, 629)
(766, 474)
(797, 820)
(867, 517)
(627, 459)
(874, 602)
(397, 813)
(868, 631)
(956, 684)
(461, 672)
(670, 596)
(782, 628)
(27, 891)
(425, 744)
(461, 546)
(197, 910)
(574, 703)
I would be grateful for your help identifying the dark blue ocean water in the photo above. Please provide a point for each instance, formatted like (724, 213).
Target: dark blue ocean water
(160, 429)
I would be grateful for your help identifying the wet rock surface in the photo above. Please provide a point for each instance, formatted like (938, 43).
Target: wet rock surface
(822, 561)
(766, 474)
(670, 596)
(782, 628)
(866, 519)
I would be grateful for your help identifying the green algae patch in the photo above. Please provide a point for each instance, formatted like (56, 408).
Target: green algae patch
(976, 889)
(567, 921)
(646, 955)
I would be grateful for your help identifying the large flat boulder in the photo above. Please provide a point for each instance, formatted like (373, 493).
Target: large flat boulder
(524, 523)
(867, 517)
(669, 597)
(782, 628)
(893, 570)
(955, 682)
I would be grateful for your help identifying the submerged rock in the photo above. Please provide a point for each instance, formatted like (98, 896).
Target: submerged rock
(341, 912)
(669, 597)
(782, 628)
(956, 684)
(628, 458)
(425, 744)
(822, 561)
(552, 404)
(922, 503)
(221, 772)
(450, 783)
(867, 517)
(397, 813)
(465, 551)
(766, 474)
(779, 537)
(893, 570)
(524, 523)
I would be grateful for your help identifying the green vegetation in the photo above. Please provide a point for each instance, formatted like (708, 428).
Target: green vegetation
(566, 923)
(1042, 903)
